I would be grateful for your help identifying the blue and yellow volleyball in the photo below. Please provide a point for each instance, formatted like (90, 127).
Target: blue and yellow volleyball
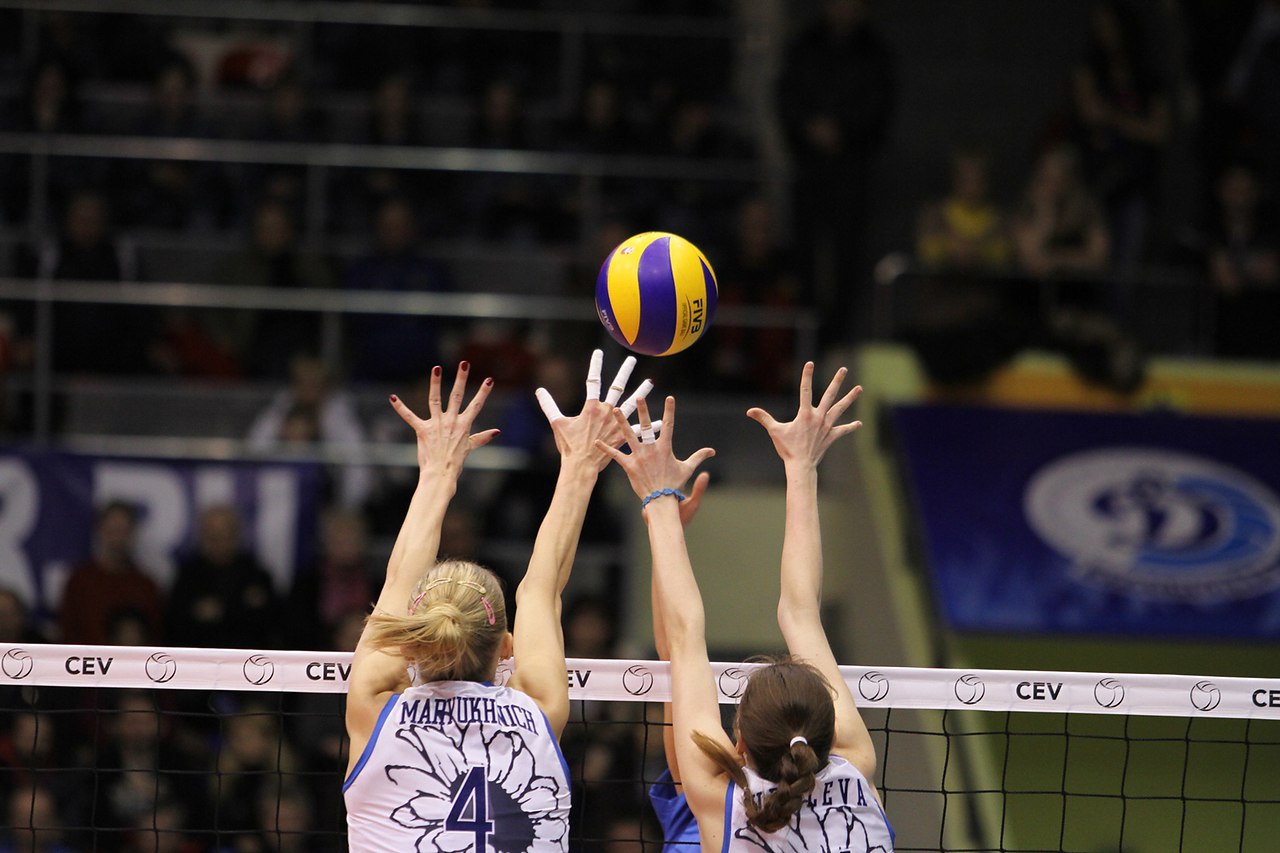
(656, 293)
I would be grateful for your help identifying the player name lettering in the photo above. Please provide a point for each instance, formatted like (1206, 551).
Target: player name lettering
(1038, 690)
(1266, 698)
(579, 677)
(88, 666)
(317, 671)
(835, 792)
(465, 709)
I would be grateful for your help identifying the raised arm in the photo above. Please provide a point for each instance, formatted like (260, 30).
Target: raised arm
(654, 472)
(539, 640)
(801, 443)
(444, 440)
(688, 509)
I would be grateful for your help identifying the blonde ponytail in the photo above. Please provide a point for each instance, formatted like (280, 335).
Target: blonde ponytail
(455, 621)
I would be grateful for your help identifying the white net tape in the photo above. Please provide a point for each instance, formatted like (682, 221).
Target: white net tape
(645, 680)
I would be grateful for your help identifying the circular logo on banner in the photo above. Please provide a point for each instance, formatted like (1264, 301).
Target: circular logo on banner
(732, 682)
(1108, 693)
(873, 686)
(259, 669)
(970, 689)
(637, 680)
(1159, 525)
(161, 667)
(1205, 696)
(17, 663)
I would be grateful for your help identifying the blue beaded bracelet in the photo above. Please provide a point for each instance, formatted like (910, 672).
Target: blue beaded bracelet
(662, 493)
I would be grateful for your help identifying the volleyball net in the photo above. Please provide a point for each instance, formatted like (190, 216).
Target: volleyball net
(188, 750)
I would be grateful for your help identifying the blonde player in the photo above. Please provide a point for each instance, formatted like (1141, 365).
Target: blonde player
(441, 758)
(797, 776)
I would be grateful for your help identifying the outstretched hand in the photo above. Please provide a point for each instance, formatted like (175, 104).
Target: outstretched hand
(445, 437)
(652, 466)
(805, 439)
(689, 506)
(576, 435)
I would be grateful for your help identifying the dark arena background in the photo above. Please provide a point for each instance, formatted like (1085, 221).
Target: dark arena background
(1042, 235)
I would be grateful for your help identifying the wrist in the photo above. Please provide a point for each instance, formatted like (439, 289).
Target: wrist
(662, 509)
(578, 472)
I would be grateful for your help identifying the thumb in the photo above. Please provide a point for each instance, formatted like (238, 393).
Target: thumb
(761, 417)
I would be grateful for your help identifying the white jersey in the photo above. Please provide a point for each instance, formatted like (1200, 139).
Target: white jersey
(840, 815)
(459, 765)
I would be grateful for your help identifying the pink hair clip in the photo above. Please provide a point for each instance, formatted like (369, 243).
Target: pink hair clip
(413, 605)
(488, 609)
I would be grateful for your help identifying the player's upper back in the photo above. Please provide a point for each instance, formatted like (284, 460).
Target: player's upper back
(459, 765)
(840, 814)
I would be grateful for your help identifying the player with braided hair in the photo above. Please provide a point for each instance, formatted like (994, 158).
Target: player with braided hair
(797, 776)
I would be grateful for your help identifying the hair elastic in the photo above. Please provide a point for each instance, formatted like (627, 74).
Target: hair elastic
(484, 599)
(799, 739)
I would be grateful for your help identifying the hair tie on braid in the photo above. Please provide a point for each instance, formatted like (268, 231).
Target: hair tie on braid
(799, 739)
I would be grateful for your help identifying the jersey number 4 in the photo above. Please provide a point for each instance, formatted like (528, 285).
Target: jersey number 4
(472, 798)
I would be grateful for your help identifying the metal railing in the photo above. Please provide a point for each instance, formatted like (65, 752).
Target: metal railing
(319, 158)
(332, 305)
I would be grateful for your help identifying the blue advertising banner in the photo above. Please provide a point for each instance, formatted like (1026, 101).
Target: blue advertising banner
(1152, 524)
(48, 499)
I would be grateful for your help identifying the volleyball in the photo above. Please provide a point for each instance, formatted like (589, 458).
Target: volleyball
(656, 293)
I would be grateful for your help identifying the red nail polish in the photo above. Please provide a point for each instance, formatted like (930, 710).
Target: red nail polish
(466, 365)
(435, 371)
(392, 398)
(488, 381)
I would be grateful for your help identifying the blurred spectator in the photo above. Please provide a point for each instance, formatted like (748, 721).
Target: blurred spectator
(1059, 229)
(590, 628)
(285, 819)
(88, 250)
(966, 230)
(110, 583)
(311, 410)
(287, 117)
(140, 765)
(48, 104)
(252, 753)
(1242, 255)
(759, 272)
(1123, 122)
(835, 99)
(600, 126)
(1251, 84)
(222, 597)
(32, 823)
(386, 347)
(31, 755)
(393, 120)
(164, 830)
(15, 626)
(173, 194)
(340, 582)
(274, 259)
(499, 121)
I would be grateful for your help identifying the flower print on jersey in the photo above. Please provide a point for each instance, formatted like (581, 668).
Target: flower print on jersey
(523, 803)
(842, 832)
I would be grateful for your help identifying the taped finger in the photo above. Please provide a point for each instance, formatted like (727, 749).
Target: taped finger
(620, 381)
(628, 406)
(549, 407)
(650, 435)
(593, 375)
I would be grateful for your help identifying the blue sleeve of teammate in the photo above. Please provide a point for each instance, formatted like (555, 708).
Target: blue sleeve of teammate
(679, 827)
